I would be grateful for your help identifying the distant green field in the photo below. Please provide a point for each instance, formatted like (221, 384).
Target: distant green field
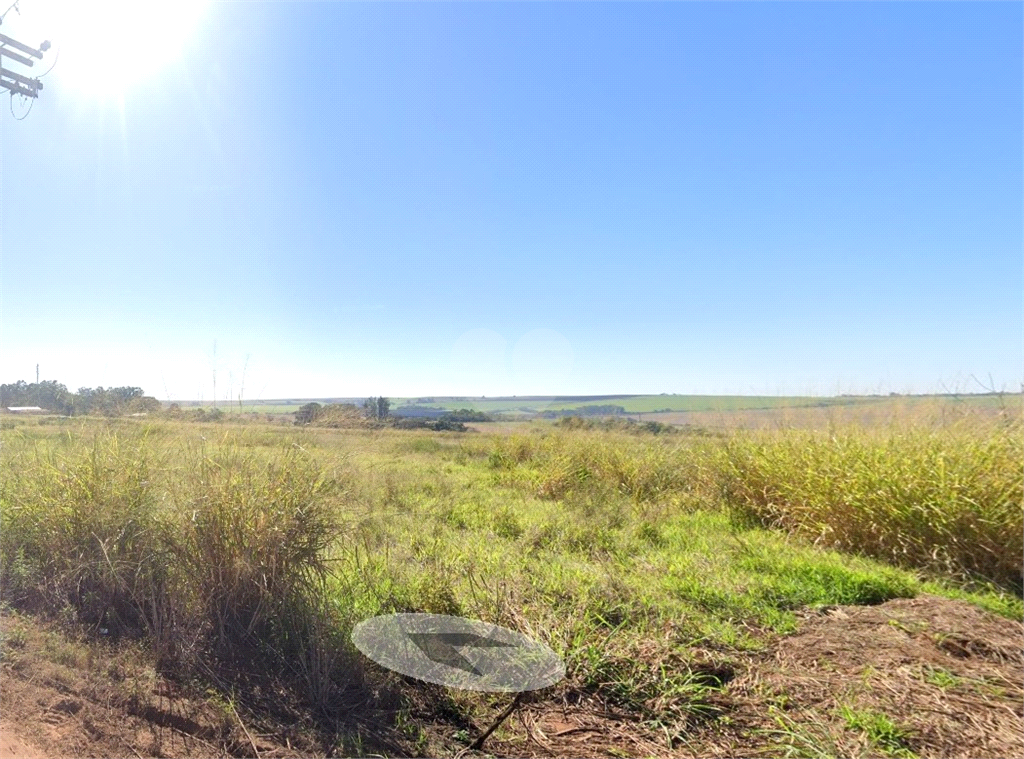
(652, 403)
(635, 403)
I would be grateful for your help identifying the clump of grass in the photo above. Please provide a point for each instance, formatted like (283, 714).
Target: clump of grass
(949, 501)
(513, 450)
(646, 678)
(253, 539)
(646, 471)
(884, 734)
(941, 678)
(78, 529)
(507, 524)
(224, 543)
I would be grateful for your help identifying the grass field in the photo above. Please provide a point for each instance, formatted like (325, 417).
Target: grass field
(646, 562)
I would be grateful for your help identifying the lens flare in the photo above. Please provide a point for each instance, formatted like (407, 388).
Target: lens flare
(112, 46)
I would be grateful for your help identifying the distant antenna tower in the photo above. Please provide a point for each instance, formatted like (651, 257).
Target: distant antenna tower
(19, 84)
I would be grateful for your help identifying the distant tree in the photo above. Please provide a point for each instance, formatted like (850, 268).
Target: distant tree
(143, 404)
(125, 395)
(55, 397)
(307, 414)
(383, 406)
(370, 408)
(48, 395)
(14, 394)
(467, 415)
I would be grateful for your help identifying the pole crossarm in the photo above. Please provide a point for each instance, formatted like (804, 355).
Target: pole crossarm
(4, 39)
(33, 84)
(16, 56)
(17, 89)
(19, 84)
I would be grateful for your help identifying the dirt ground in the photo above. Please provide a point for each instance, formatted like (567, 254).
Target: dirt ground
(947, 674)
(62, 696)
(924, 677)
(11, 747)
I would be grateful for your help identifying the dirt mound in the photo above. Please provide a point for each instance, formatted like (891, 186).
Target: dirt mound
(927, 675)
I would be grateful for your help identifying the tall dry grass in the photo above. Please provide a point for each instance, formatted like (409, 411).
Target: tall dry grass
(204, 549)
(78, 527)
(946, 500)
(943, 498)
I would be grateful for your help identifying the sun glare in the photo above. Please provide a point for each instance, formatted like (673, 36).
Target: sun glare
(111, 46)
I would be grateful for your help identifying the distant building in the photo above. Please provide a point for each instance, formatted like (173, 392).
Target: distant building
(25, 410)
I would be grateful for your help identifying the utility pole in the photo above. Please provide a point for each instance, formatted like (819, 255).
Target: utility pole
(19, 84)
(37, 374)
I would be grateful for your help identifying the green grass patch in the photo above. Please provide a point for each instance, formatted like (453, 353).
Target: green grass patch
(885, 735)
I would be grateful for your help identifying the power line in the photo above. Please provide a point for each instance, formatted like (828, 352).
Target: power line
(56, 58)
(31, 102)
(13, 6)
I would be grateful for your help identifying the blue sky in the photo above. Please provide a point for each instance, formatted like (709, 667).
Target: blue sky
(342, 199)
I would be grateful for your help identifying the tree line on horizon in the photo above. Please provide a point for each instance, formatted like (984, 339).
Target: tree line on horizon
(378, 411)
(54, 397)
(375, 409)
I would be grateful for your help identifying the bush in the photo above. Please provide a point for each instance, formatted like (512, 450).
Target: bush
(424, 423)
(467, 415)
(625, 424)
(308, 414)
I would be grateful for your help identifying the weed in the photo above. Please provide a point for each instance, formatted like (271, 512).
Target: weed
(883, 733)
(796, 741)
(507, 524)
(941, 678)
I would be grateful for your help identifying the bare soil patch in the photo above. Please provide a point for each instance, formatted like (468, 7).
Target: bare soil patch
(67, 697)
(947, 674)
